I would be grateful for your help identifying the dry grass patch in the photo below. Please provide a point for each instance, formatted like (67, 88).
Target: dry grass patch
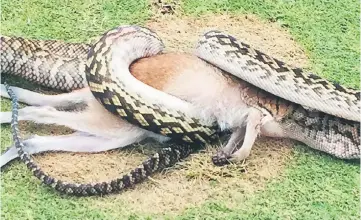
(181, 34)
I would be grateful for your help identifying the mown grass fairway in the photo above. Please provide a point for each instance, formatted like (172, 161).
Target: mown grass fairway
(308, 184)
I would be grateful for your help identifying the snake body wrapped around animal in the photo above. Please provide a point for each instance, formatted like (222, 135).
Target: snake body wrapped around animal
(309, 109)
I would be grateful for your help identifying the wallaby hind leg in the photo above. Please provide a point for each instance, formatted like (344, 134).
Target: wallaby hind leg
(92, 118)
(76, 142)
(93, 121)
(44, 115)
(63, 100)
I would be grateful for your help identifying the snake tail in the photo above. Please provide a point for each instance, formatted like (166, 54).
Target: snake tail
(165, 157)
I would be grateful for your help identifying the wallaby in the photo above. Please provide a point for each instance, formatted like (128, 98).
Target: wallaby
(215, 96)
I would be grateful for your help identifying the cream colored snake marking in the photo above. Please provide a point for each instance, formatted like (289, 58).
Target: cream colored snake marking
(327, 130)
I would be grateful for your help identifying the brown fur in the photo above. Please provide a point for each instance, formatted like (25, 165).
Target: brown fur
(157, 71)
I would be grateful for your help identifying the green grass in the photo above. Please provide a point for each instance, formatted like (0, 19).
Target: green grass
(328, 30)
(313, 186)
(69, 19)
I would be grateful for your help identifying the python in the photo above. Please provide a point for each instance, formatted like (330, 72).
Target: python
(188, 85)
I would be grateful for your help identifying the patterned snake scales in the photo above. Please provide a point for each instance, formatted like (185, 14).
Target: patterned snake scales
(323, 115)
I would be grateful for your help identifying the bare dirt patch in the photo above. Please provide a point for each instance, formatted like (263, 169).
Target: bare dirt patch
(182, 33)
(193, 181)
